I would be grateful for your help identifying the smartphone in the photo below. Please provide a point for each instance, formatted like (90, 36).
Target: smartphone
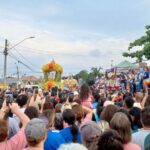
(9, 98)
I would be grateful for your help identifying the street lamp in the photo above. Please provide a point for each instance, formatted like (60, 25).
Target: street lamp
(31, 37)
(6, 49)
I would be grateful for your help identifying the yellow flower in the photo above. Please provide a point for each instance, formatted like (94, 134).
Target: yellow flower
(55, 67)
(60, 69)
(45, 68)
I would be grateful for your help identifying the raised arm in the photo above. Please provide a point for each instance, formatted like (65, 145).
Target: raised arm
(88, 112)
(15, 109)
(144, 100)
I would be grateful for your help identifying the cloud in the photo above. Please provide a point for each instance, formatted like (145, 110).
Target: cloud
(95, 53)
(74, 55)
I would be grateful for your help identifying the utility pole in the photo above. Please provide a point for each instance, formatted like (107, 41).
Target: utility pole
(17, 72)
(5, 61)
(17, 75)
(6, 54)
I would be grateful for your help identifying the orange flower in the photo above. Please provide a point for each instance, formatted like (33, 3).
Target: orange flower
(50, 66)
(49, 84)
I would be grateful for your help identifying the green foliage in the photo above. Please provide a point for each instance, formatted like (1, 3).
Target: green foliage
(83, 74)
(144, 42)
(94, 72)
(137, 54)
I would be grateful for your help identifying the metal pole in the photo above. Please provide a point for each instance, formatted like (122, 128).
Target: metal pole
(17, 75)
(5, 56)
(5, 61)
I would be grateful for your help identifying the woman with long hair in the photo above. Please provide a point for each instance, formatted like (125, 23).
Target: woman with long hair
(86, 96)
(70, 133)
(122, 125)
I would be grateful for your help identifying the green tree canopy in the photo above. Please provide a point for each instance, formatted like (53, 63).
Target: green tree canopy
(87, 76)
(144, 44)
(83, 74)
(96, 72)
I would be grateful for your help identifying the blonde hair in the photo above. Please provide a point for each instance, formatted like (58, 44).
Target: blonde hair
(121, 123)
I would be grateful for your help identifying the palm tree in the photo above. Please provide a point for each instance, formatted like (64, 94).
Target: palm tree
(96, 72)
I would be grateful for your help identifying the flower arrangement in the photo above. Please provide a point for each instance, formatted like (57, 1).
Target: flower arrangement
(50, 67)
(49, 84)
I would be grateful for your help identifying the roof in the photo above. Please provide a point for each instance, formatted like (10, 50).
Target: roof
(9, 80)
(125, 64)
(30, 78)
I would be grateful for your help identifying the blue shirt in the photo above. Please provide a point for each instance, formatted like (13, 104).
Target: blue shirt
(53, 141)
(67, 135)
(95, 104)
(146, 75)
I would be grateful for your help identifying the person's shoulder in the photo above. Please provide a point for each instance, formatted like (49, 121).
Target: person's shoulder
(65, 129)
(54, 134)
(131, 146)
(139, 132)
(66, 133)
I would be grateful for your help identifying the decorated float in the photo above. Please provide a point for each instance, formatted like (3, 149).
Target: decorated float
(70, 83)
(52, 75)
(111, 82)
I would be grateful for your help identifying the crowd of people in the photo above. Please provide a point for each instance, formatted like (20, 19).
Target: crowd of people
(87, 118)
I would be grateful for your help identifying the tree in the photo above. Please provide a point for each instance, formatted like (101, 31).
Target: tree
(144, 44)
(83, 74)
(91, 76)
(138, 55)
(96, 72)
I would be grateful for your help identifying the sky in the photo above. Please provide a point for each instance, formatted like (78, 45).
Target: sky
(78, 34)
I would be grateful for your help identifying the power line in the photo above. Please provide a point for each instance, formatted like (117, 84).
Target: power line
(12, 56)
(27, 60)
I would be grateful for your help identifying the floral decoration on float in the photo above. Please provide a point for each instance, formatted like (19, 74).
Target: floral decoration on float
(52, 75)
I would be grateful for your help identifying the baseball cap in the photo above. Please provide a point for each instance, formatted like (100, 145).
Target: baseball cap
(35, 129)
(90, 130)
